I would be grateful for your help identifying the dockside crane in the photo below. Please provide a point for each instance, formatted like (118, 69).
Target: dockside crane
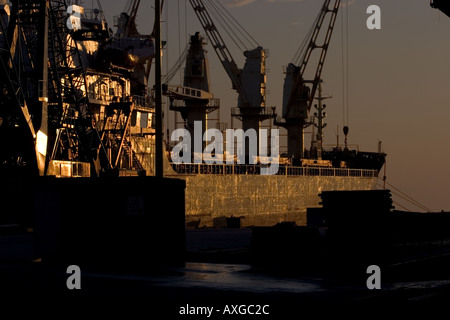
(249, 82)
(194, 99)
(299, 90)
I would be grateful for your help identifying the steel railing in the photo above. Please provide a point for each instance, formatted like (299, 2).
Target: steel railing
(249, 169)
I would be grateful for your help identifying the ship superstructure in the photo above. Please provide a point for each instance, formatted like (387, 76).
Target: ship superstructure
(81, 90)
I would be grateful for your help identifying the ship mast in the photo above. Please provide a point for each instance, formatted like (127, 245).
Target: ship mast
(320, 116)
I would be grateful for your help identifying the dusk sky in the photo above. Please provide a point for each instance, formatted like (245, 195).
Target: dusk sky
(399, 77)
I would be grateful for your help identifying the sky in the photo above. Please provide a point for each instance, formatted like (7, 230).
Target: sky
(398, 78)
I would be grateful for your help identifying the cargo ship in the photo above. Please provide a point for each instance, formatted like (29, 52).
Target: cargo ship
(77, 103)
(217, 194)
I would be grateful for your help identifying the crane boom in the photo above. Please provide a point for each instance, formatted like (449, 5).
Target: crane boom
(131, 25)
(324, 47)
(218, 44)
(249, 82)
(300, 81)
(299, 91)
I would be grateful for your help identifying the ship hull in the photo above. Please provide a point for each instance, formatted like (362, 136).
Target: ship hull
(215, 193)
(259, 200)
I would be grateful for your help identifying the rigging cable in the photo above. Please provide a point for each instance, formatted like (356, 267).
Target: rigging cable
(343, 67)
(235, 31)
(231, 34)
(229, 24)
(347, 64)
(401, 206)
(345, 78)
(396, 194)
(404, 208)
(411, 199)
(397, 203)
(185, 21)
(401, 194)
(407, 198)
(127, 6)
(302, 49)
(176, 67)
(167, 37)
(241, 29)
(167, 66)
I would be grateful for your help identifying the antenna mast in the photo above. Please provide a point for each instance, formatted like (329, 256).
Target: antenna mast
(320, 116)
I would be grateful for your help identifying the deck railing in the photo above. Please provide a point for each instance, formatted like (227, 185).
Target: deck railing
(248, 169)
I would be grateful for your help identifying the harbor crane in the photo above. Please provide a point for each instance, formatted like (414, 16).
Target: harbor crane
(299, 89)
(194, 99)
(249, 82)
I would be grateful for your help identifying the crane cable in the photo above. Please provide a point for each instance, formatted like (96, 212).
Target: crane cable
(395, 202)
(399, 205)
(345, 63)
(172, 72)
(226, 27)
(411, 199)
(166, 30)
(240, 37)
(176, 67)
(241, 29)
(128, 6)
(302, 49)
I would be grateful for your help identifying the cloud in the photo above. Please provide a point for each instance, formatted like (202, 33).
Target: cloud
(238, 3)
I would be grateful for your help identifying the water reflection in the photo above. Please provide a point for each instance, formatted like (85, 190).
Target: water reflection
(239, 277)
